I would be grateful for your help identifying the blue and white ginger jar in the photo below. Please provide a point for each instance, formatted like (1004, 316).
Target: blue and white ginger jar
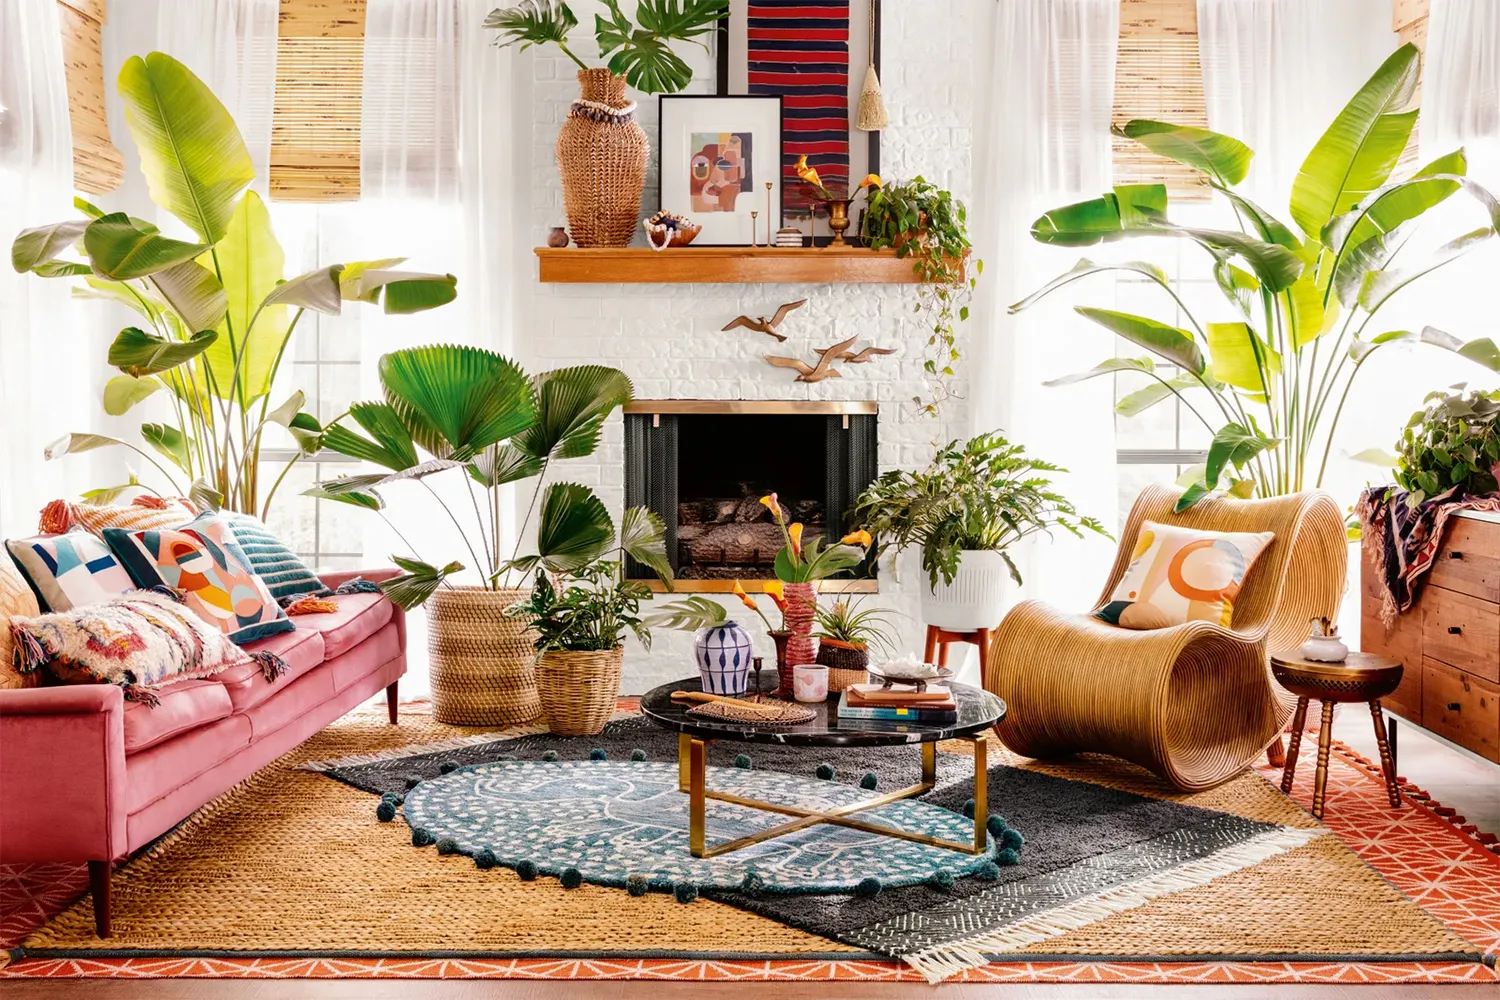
(723, 653)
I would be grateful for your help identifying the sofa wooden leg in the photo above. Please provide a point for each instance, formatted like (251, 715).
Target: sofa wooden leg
(391, 700)
(99, 885)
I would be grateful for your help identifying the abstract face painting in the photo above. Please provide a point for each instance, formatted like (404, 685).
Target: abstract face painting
(718, 154)
(722, 168)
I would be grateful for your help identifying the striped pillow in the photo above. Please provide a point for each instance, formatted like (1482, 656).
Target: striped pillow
(144, 513)
(277, 565)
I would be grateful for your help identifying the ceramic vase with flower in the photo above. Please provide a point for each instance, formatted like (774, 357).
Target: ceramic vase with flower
(801, 614)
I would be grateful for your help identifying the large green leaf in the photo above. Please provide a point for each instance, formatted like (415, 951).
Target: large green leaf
(1240, 356)
(1238, 285)
(1105, 219)
(1148, 395)
(532, 22)
(457, 401)
(1303, 312)
(169, 441)
(1107, 367)
(1170, 342)
(681, 19)
(689, 614)
(1271, 229)
(1275, 265)
(124, 391)
(145, 303)
(1379, 286)
(120, 249)
(651, 66)
(1223, 158)
(574, 528)
(62, 269)
(391, 446)
(73, 444)
(404, 291)
(251, 262)
(1481, 351)
(418, 583)
(503, 463)
(1083, 269)
(1234, 445)
(1361, 147)
(644, 539)
(44, 243)
(192, 290)
(572, 404)
(316, 290)
(192, 156)
(140, 353)
(1391, 205)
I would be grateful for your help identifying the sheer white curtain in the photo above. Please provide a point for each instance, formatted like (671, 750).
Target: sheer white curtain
(1045, 73)
(40, 394)
(1461, 84)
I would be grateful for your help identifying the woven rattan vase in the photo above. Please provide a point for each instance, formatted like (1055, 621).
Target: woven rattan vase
(579, 689)
(601, 154)
(481, 660)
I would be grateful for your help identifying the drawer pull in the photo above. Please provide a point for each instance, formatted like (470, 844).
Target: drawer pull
(1455, 555)
(1454, 706)
(1455, 630)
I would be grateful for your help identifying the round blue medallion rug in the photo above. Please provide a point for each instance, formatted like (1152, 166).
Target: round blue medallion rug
(611, 820)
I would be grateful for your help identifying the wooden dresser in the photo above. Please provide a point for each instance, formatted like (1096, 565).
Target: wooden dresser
(1449, 641)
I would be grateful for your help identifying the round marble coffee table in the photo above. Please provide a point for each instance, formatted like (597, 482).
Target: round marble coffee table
(978, 711)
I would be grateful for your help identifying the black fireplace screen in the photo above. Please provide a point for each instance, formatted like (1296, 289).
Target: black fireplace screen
(704, 474)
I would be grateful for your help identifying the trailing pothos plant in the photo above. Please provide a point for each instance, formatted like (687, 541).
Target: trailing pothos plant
(1277, 376)
(216, 314)
(640, 51)
(929, 226)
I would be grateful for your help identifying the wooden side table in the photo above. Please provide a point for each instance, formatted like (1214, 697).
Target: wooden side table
(938, 640)
(1365, 677)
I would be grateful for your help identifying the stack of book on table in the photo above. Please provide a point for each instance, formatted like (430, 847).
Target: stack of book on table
(898, 703)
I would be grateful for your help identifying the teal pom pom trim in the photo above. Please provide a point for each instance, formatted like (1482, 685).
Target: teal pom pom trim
(742, 761)
(968, 809)
(996, 825)
(447, 845)
(598, 754)
(869, 781)
(527, 871)
(571, 878)
(637, 885)
(420, 837)
(485, 860)
(1008, 857)
(753, 885)
(390, 797)
(637, 755)
(549, 755)
(1012, 839)
(989, 871)
(868, 887)
(447, 767)
(826, 772)
(685, 892)
(386, 811)
(941, 879)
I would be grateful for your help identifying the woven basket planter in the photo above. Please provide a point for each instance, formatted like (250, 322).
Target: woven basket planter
(601, 155)
(579, 689)
(480, 660)
(846, 664)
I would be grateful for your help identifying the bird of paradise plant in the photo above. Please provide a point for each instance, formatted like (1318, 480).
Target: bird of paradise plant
(796, 563)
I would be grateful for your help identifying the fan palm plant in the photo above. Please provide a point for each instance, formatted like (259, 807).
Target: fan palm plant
(1279, 374)
(217, 314)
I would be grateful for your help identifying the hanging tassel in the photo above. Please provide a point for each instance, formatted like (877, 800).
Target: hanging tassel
(141, 695)
(309, 605)
(872, 116)
(271, 665)
(358, 585)
(29, 654)
(57, 517)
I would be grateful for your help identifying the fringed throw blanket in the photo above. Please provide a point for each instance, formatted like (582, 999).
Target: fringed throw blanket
(1402, 540)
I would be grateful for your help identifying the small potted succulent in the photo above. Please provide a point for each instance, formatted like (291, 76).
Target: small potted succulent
(845, 635)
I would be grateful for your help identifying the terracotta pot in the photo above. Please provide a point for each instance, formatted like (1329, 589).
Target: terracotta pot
(601, 155)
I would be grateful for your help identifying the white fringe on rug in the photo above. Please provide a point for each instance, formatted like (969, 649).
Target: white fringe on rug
(950, 959)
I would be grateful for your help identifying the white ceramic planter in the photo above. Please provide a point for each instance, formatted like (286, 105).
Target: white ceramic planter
(975, 599)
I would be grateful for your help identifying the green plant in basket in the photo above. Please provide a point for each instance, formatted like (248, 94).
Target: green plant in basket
(849, 625)
(1452, 442)
(587, 611)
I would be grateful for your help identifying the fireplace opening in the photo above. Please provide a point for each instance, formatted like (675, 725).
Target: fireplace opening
(703, 467)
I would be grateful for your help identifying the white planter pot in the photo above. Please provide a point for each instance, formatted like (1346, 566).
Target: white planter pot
(975, 599)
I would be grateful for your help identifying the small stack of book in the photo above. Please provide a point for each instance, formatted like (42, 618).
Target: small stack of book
(898, 703)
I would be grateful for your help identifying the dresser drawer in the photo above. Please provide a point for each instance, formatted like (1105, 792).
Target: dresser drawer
(1403, 640)
(1462, 708)
(1469, 561)
(1462, 631)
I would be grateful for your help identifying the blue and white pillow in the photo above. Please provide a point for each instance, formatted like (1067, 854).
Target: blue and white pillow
(285, 575)
(70, 570)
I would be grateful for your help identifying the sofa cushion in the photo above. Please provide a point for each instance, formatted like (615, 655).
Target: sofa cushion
(366, 658)
(273, 560)
(359, 616)
(247, 686)
(183, 706)
(69, 571)
(157, 771)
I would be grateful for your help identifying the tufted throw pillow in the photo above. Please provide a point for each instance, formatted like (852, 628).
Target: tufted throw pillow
(1179, 575)
(148, 511)
(69, 570)
(202, 561)
(284, 574)
(16, 600)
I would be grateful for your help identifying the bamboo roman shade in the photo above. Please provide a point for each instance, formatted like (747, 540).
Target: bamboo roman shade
(97, 165)
(1157, 75)
(315, 124)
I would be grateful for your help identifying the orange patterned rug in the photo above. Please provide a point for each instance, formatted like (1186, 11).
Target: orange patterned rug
(1435, 858)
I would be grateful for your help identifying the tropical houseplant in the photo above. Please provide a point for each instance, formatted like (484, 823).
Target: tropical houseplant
(846, 634)
(927, 224)
(216, 314)
(601, 149)
(962, 512)
(1452, 442)
(1278, 375)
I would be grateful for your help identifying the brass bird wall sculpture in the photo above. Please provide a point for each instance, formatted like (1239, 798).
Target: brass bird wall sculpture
(770, 327)
(814, 373)
(857, 358)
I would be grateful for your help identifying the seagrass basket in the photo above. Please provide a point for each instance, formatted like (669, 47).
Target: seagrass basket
(579, 689)
(480, 659)
(846, 663)
(601, 156)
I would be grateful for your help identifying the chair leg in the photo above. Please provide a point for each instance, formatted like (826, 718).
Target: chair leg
(391, 700)
(929, 654)
(99, 885)
(1276, 753)
(982, 640)
(1387, 764)
(1325, 741)
(1299, 723)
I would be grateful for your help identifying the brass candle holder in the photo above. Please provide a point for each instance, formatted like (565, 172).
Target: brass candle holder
(838, 219)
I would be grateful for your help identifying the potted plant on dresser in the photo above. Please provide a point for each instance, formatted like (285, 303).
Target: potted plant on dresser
(962, 512)
(476, 417)
(602, 149)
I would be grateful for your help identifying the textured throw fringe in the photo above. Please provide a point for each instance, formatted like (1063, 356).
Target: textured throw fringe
(29, 655)
(151, 501)
(309, 605)
(358, 585)
(950, 959)
(271, 665)
(141, 694)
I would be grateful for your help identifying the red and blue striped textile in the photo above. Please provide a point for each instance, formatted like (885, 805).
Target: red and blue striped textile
(800, 50)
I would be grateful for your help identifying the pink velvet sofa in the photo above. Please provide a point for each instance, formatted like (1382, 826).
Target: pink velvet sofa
(87, 776)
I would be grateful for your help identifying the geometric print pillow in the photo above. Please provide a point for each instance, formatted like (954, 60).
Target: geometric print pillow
(1179, 575)
(202, 561)
(70, 570)
(275, 563)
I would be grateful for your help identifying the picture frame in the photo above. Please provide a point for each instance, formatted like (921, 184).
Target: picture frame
(716, 155)
(781, 36)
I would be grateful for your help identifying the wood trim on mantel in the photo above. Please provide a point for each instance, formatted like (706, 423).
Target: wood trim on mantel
(756, 407)
(631, 265)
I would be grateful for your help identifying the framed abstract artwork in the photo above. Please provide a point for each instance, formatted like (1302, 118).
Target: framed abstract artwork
(812, 54)
(717, 155)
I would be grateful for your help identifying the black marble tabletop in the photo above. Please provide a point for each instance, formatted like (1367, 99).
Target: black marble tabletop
(977, 711)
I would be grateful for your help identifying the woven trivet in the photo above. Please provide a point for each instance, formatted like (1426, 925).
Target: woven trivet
(786, 714)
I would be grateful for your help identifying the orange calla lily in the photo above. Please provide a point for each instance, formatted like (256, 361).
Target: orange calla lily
(871, 180)
(745, 598)
(796, 532)
(776, 590)
(809, 174)
(861, 538)
(772, 504)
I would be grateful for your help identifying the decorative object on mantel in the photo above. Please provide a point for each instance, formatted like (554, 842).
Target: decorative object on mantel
(714, 151)
(770, 327)
(859, 358)
(668, 229)
(557, 238)
(872, 116)
(602, 149)
(838, 206)
(1323, 644)
(789, 237)
(754, 231)
(814, 373)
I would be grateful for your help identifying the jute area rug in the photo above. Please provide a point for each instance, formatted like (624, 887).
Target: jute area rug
(289, 875)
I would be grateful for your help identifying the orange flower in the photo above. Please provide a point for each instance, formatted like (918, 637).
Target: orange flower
(808, 174)
(871, 180)
(745, 598)
(796, 532)
(776, 590)
(861, 538)
(772, 504)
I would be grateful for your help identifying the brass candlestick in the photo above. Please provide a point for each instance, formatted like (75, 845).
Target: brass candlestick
(753, 242)
(768, 214)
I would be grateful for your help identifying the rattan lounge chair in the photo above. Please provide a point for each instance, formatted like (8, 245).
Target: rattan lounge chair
(1193, 703)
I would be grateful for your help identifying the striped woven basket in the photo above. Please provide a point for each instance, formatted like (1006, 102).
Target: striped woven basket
(480, 659)
(846, 664)
(579, 689)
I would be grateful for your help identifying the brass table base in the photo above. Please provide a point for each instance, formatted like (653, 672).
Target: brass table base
(692, 757)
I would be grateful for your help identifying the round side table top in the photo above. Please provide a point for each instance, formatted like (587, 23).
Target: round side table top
(1361, 677)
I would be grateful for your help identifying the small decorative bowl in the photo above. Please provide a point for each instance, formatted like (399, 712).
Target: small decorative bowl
(668, 229)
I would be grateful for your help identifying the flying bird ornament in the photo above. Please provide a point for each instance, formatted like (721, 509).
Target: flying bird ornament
(770, 327)
(857, 358)
(814, 373)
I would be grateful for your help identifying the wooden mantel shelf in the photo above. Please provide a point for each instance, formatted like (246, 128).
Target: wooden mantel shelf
(724, 264)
